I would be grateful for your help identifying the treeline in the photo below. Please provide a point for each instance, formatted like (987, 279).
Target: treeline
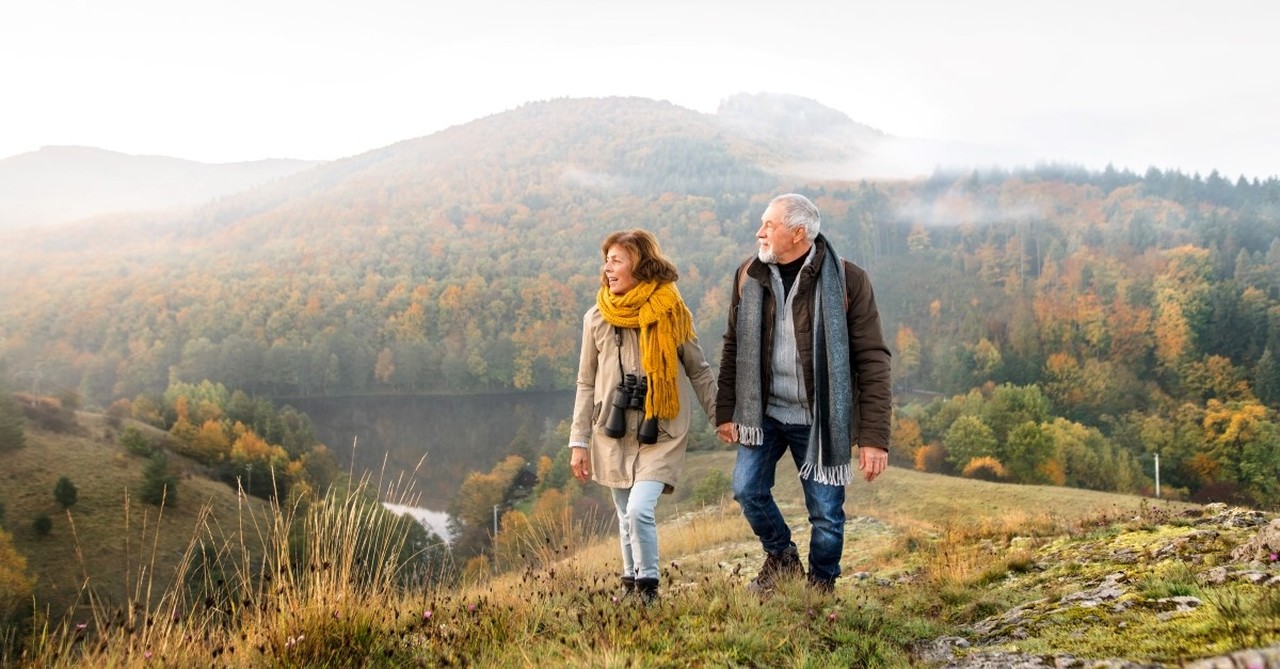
(245, 442)
(1128, 300)
(1146, 315)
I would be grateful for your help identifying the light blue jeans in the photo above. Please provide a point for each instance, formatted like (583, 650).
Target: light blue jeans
(638, 528)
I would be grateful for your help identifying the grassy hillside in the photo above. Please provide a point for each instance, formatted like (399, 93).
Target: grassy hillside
(108, 543)
(938, 570)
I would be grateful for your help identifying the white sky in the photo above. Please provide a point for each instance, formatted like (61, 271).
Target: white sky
(1170, 83)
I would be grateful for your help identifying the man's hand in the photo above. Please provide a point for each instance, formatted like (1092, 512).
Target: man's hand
(872, 460)
(727, 432)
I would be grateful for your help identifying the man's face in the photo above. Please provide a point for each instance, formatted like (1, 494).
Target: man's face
(778, 243)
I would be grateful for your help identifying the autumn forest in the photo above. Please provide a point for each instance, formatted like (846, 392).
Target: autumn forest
(1049, 324)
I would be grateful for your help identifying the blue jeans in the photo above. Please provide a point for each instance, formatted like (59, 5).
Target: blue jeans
(638, 527)
(753, 477)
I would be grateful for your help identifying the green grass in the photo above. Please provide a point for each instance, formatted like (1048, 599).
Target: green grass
(1002, 565)
(98, 546)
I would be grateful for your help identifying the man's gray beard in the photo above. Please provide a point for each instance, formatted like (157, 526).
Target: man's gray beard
(767, 257)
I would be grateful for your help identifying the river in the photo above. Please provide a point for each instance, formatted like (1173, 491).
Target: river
(433, 442)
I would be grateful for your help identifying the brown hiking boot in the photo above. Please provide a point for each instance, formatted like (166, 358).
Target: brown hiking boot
(821, 586)
(777, 567)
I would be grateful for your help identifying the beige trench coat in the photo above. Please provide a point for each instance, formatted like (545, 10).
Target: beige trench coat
(619, 463)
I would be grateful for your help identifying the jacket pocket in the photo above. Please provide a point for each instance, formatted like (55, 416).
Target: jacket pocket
(595, 413)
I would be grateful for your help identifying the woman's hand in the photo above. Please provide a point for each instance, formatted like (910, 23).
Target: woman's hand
(580, 464)
(727, 432)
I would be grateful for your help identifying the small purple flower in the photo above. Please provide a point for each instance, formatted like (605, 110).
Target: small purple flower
(471, 608)
(147, 655)
(1275, 556)
(831, 617)
(426, 615)
(615, 599)
(81, 626)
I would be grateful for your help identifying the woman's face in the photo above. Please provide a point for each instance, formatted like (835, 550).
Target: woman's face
(618, 268)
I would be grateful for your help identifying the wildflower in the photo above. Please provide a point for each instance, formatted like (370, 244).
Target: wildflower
(426, 615)
(831, 617)
(147, 655)
(615, 599)
(471, 608)
(81, 626)
(1275, 556)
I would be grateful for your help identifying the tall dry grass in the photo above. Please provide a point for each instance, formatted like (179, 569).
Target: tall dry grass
(335, 583)
(256, 592)
(342, 593)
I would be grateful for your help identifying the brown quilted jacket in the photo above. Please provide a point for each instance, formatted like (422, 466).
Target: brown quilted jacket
(872, 393)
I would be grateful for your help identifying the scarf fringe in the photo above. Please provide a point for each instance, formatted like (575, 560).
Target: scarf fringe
(841, 475)
(750, 436)
(828, 453)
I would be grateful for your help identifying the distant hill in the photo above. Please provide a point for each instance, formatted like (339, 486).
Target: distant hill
(57, 184)
(461, 261)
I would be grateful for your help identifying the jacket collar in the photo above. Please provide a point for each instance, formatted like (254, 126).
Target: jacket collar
(760, 270)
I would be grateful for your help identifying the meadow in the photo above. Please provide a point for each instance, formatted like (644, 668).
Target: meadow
(937, 569)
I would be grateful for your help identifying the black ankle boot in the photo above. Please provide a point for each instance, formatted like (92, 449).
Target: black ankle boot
(648, 589)
(628, 585)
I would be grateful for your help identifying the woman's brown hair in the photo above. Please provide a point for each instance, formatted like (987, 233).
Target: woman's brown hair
(650, 264)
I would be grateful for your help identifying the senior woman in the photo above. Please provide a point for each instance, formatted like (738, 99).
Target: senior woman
(637, 342)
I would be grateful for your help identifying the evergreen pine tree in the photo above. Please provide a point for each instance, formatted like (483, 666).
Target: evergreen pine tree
(159, 486)
(1266, 379)
(65, 492)
(42, 525)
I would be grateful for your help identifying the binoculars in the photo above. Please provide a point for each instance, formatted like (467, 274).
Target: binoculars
(630, 394)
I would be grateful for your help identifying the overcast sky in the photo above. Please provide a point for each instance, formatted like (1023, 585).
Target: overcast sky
(1169, 83)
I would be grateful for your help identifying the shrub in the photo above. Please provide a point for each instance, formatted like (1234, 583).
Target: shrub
(986, 469)
(119, 410)
(133, 441)
(42, 525)
(1227, 492)
(931, 458)
(70, 400)
(15, 582)
(65, 492)
(712, 488)
(159, 485)
(48, 413)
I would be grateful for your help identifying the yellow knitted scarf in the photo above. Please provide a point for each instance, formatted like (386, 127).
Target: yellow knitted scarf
(664, 321)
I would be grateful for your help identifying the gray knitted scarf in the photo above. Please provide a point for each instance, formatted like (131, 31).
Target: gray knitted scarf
(829, 454)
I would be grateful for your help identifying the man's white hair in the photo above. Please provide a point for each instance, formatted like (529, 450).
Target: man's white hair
(799, 212)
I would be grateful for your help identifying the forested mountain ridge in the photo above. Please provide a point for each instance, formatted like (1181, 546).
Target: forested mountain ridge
(506, 198)
(1142, 311)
